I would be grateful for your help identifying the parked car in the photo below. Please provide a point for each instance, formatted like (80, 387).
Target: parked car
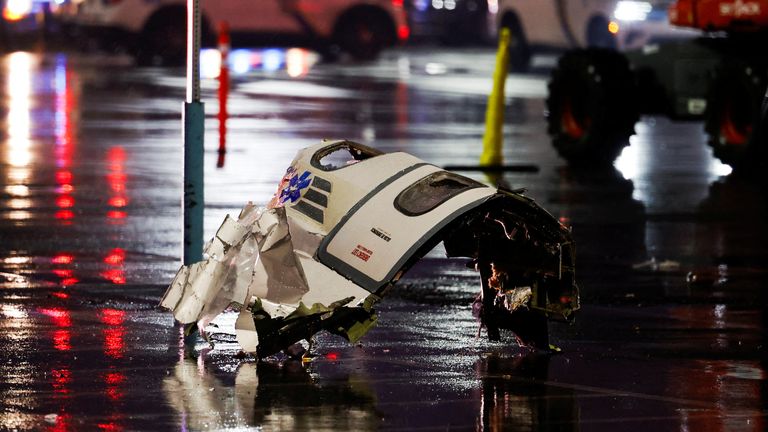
(559, 25)
(154, 31)
(454, 22)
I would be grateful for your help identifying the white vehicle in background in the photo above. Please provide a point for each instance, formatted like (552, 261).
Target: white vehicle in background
(154, 31)
(559, 25)
(543, 25)
(641, 23)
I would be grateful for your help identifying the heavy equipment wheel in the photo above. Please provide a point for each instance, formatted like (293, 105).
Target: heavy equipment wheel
(733, 110)
(591, 106)
(163, 42)
(364, 33)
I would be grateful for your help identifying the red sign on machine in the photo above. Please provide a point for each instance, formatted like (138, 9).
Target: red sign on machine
(715, 15)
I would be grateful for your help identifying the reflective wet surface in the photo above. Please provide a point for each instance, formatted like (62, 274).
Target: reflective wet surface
(672, 259)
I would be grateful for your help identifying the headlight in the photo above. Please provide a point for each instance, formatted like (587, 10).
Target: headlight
(632, 10)
(17, 9)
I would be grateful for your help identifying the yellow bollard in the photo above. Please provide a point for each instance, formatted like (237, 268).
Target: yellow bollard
(494, 114)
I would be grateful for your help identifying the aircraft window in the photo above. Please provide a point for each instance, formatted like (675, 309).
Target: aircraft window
(342, 155)
(431, 191)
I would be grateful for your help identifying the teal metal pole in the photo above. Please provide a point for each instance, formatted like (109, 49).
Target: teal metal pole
(194, 199)
(193, 121)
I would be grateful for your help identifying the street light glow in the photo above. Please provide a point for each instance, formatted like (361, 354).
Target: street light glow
(632, 10)
(17, 9)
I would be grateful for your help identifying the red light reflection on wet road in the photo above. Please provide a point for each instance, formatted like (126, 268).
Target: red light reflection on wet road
(114, 344)
(109, 427)
(61, 380)
(62, 424)
(112, 317)
(116, 276)
(64, 145)
(61, 340)
(67, 275)
(61, 337)
(115, 257)
(116, 178)
(118, 201)
(65, 201)
(64, 177)
(64, 273)
(63, 259)
(64, 215)
(60, 316)
(114, 382)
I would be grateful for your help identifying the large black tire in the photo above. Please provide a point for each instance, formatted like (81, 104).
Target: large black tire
(519, 50)
(364, 33)
(163, 42)
(591, 106)
(733, 110)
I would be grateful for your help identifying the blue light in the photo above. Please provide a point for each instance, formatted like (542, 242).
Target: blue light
(273, 59)
(240, 61)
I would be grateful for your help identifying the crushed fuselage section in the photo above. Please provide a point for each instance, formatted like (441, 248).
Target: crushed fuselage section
(345, 224)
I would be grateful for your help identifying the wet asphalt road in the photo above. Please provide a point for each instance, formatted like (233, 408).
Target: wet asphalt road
(672, 259)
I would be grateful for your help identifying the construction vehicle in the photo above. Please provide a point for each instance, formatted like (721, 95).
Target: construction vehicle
(596, 96)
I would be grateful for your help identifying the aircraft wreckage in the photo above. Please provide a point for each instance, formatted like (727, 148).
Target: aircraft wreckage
(346, 223)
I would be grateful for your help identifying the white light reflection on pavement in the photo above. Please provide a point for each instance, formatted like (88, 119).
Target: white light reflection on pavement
(655, 161)
(19, 69)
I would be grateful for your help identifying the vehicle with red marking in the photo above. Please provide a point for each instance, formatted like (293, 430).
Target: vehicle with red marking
(596, 96)
(559, 25)
(713, 15)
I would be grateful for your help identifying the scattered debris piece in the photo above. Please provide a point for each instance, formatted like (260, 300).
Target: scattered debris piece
(653, 265)
(346, 223)
(51, 418)
(296, 351)
(708, 276)
(691, 277)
